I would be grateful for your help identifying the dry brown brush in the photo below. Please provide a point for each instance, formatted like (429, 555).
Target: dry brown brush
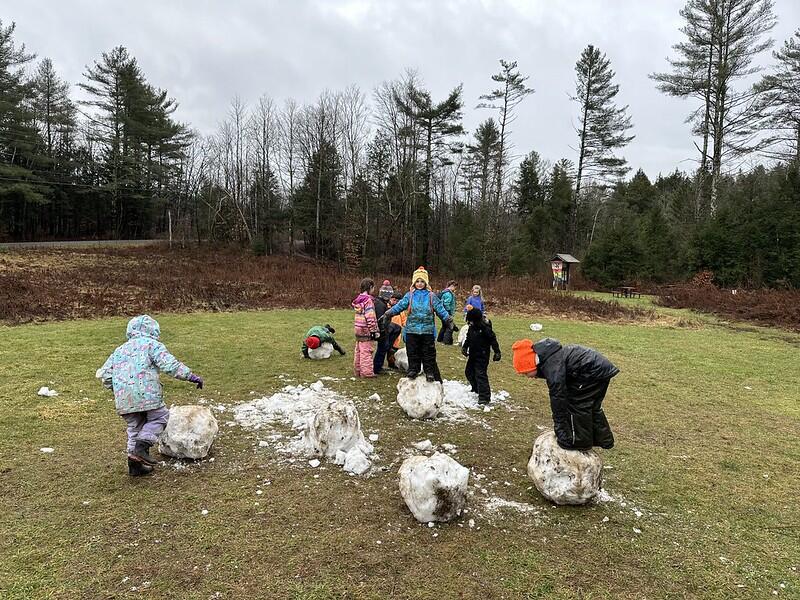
(55, 284)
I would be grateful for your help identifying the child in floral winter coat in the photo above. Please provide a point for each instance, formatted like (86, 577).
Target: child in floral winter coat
(366, 330)
(132, 372)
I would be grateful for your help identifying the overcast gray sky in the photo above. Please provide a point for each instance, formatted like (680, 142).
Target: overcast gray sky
(204, 52)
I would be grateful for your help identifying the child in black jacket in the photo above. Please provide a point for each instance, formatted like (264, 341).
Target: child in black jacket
(480, 339)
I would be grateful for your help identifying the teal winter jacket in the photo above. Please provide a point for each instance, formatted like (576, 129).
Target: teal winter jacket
(132, 369)
(421, 306)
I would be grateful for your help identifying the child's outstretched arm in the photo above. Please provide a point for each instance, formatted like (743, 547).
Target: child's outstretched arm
(440, 309)
(106, 372)
(166, 363)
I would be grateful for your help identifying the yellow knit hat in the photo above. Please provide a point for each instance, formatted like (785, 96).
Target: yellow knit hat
(420, 273)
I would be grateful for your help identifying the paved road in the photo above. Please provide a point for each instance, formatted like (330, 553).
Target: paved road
(82, 244)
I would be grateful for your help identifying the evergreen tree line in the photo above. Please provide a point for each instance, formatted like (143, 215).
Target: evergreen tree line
(391, 179)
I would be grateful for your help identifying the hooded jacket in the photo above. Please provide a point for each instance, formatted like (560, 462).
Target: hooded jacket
(480, 336)
(365, 322)
(421, 305)
(568, 370)
(132, 369)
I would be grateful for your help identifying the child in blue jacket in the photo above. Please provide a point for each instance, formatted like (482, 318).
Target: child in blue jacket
(420, 331)
(132, 372)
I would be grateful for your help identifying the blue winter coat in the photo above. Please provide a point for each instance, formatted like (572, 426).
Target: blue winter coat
(475, 302)
(132, 369)
(421, 305)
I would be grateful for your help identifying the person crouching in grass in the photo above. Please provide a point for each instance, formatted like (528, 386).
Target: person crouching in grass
(132, 372)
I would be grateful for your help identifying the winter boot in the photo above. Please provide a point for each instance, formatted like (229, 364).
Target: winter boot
(141, 453)
(430, 378)
(138, 469)
(411, 375)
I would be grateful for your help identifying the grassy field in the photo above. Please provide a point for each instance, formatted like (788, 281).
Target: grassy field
(704, 476)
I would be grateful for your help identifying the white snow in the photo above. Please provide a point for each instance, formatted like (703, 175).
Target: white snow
(322, 353)
(314, 462)
(459, 399)
(356, 462)
(564, 476)
(424, 445)
(375, 397)
(190, 432)
(434, 488)
(46, 450)
(496, 503)
(46, 391)
(536, 326)
(373, 437)
(326, 423)
(204, 512)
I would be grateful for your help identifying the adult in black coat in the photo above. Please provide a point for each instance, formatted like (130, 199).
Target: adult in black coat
(480, 340)
(577, 378)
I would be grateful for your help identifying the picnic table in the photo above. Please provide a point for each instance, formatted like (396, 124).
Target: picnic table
(626, 292)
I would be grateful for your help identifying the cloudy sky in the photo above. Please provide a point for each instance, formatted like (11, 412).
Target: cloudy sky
(205, 51)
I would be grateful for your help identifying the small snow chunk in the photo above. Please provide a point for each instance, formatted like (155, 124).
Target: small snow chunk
(424, 445)
(259, 492)
(263, 444)
(536, 326)
(373, 437)
(46, 391)
(638, 513)
(604, 496)
(449, 447)
(314, 462)
(605, 519)
(636, 530)
(317, 386)
(356, 462)
(376, 397)
(85, 503)
(46, 450)
(747, 387)
(204, 512)
(431, 524)
(471, 523)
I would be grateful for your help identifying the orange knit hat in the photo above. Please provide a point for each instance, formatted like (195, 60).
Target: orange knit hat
(524, 357)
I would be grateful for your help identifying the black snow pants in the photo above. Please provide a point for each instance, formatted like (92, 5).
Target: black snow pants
(446, 334)
(421, 350)
(478, 377)
(588, 424)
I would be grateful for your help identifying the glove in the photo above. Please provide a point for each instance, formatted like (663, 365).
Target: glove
(455, 329)
(496, 357)
(331, 329)
(196, 379)
(465, 350)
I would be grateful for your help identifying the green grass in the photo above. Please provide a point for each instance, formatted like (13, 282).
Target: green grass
(711, 464)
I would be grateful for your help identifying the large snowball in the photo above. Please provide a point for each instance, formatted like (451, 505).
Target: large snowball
(335, 427)
(564, 476)
(420, 398)
(321, 353)
(401, 359)
(462, 335)
(189, 433)
(434, 488)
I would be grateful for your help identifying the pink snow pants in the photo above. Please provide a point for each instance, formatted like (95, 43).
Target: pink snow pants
(362, 360)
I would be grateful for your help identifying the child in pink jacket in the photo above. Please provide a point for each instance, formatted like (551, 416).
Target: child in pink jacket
(366, 330)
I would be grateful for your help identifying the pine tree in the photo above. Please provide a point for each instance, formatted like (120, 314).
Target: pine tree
(53, 110)
(723, 38)
(782, 99)
(602, 127)
(504, 99)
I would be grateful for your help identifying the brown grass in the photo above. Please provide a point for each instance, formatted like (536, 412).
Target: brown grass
(58, 284)
(764, 307)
